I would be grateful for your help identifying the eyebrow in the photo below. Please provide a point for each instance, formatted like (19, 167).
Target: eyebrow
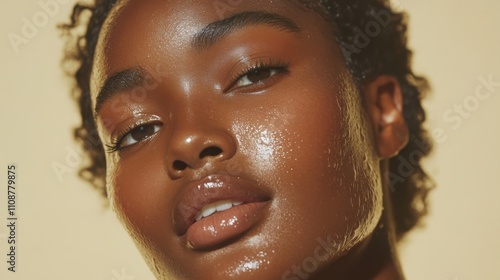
(122, 81)
(212, 33)
(217, 30)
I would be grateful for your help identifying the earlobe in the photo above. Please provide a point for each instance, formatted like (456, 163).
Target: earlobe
(383, 101)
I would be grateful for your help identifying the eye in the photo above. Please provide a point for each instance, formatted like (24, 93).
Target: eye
(256, 76)
(260, 73)
(138, 134)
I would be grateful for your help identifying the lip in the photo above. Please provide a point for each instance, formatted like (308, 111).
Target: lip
(220, 227)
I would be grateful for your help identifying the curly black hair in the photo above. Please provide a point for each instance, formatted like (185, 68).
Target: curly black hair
(382, 51)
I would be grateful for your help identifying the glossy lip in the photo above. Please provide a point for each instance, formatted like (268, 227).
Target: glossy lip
(194, 196)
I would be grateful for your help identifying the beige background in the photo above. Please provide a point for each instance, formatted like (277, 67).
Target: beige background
(65, 233)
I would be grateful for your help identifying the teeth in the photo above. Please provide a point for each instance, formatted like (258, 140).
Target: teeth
(223, 205)
(216, 206)
(198, 217)
(208, 210)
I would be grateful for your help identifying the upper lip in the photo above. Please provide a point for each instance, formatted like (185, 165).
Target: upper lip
(195, 195)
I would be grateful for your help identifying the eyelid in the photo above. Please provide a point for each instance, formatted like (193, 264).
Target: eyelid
(127, 126)
(122, 144)
(260, 63)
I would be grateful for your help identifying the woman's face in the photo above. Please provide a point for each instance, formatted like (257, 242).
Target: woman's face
(218, 106)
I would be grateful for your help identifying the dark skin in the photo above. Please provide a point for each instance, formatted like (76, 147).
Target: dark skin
(271, 107)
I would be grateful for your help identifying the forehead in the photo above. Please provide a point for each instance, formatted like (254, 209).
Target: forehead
(149, 29)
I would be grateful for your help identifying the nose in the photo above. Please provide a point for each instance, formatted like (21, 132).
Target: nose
(192, 149)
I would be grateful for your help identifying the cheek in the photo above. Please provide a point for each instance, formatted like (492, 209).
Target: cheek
(321, 165)
(138, 198)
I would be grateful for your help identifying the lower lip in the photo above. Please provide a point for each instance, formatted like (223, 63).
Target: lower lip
(224, 226)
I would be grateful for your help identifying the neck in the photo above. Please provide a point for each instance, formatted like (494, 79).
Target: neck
(374, 259)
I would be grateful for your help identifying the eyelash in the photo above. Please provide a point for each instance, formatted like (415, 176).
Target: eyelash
(115, 144)
(279, 65)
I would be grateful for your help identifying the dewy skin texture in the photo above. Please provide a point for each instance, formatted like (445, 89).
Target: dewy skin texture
(260, 117)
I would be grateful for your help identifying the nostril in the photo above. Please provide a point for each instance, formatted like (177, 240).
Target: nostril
(179, 165)
(210, 152)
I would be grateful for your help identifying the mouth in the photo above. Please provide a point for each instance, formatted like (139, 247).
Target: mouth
(217, 210)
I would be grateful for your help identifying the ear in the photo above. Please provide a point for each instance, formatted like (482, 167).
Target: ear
(383, 101)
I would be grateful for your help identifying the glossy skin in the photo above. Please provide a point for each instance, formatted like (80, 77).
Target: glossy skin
(301, 135)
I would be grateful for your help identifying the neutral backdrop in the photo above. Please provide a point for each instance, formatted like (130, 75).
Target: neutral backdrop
(64, 232)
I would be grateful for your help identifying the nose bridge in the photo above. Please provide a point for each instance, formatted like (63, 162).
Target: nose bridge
(197, 139)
